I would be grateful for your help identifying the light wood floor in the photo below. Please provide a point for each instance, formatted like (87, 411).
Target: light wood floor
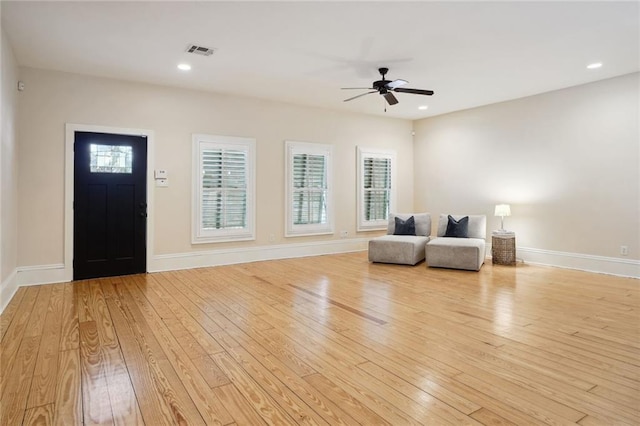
(325, 340)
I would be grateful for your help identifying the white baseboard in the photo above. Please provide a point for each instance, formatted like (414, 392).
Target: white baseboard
(46, 274)
(583, 262)
(42, 274)
(8, 289)
(199, 259)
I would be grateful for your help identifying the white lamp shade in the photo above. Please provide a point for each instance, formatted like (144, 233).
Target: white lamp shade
(502, 210)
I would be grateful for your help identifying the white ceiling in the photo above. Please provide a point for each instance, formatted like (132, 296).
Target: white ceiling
(470, 53)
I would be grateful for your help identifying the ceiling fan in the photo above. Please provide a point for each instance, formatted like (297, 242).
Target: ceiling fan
(387, 87)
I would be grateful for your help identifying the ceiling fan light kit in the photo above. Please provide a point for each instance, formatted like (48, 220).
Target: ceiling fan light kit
(386, 88)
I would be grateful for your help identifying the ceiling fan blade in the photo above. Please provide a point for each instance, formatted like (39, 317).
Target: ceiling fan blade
(414, 91)
(390, 98)
(396, 83)
(360, 95)
(356, 88)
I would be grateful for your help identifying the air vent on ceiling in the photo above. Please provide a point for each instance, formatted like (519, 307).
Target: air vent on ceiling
(200, 50)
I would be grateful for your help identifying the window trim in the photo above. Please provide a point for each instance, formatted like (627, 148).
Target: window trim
(199, 235)
(326, 150)
(362, 153)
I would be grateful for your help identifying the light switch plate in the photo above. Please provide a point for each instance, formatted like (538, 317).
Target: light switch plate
(161, 174)
(162, 183)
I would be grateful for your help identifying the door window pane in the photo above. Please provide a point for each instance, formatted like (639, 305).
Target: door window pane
(110, 158)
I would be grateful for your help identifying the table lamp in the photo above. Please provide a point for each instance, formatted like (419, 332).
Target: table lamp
(502, 210)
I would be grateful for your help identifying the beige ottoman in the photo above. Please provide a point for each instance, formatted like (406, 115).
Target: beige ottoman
(403, 249)
(456, 253)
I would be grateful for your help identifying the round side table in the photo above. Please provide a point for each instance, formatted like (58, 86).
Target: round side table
(503, 248)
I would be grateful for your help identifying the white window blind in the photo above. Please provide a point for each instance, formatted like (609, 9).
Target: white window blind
(377, 188)
(309, 189)
(223, 188)
(376, 177)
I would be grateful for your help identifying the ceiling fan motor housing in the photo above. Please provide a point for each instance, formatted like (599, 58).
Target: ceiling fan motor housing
(381, 84)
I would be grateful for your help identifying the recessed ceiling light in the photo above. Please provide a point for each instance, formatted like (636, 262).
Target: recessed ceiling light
(184, 67)
(423, 107)
(594, 66)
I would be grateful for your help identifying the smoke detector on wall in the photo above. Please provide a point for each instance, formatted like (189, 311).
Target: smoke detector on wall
(200, 50)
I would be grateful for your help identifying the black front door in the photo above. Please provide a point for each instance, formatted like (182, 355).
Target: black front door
(110, 205)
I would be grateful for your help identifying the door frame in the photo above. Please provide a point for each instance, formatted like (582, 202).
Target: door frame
(70, 133)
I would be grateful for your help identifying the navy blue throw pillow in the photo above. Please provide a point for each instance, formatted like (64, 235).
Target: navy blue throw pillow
(458, 228)
(405, 227)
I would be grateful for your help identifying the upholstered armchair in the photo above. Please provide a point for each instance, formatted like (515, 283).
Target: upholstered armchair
(401, 245)
(455, 247)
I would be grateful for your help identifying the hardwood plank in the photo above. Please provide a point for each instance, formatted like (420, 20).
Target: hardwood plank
(319, 402)
(523, 379)
(69, 335)
(628, 399)
(249, 337)
(14, 334)
(435, 406)
(325, 340)
(183, 316)
(39, 416)
(190, 345)
(237, 405)
(345, 400)
(96, 404)
(343, 306)
(596, 420)
(16, 385)
(537, 406)
(259, 399)
(566, 357)
(490, 401)
(277, 390)
(182, 370)
(574, 369)
(68, 404)
(101, 316)
(373, 393)
(43, 385)
(39, 312)
(83, 301)
(124, 405)
(10, 311)
(210, 371)
(489, 418)
(422, 375)
(109, 368)
(154, 396)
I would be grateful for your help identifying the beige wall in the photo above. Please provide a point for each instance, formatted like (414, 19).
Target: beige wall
(8, 164)
(567, 161)
(52, 99)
